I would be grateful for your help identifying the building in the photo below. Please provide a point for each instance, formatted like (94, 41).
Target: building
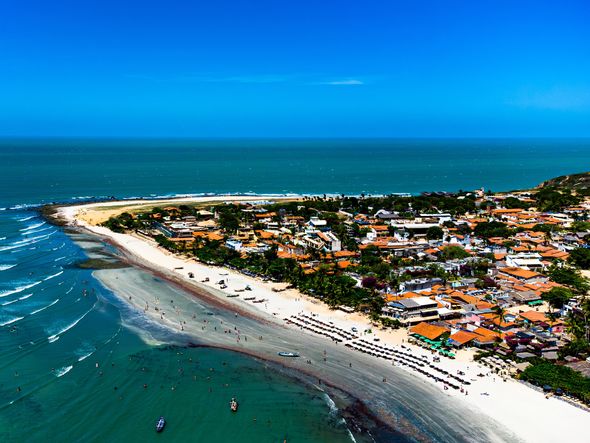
(413, 310)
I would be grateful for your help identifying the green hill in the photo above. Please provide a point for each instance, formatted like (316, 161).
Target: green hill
(574, 182)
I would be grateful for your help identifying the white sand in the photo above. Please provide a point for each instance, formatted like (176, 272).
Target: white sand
(523, 410)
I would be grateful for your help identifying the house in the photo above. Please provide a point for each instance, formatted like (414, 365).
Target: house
(413, 310)
(521, 274)
(316, 222)
(527, 261)
(331, 242)
(426, 330)
(461, 338)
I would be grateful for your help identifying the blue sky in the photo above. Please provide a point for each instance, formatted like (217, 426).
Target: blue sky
(295, 68)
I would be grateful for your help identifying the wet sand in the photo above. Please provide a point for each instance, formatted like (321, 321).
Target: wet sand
(403, 403)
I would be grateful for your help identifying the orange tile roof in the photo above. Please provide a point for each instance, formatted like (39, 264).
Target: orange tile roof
(264, 234)
(429, 331)
(519, 272)
(463, 337)
(534, 316)
(286, 254)
(506, 211)
(345, 264)
(486, 335)
(342, 254)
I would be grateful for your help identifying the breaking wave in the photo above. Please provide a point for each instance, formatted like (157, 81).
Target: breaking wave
(53, 276)
(27, 241)
(25, 218)
(62, 371)
(13, 320)
(45, 307)
(35, 226)
(56, 336)
(19, 289)
(6, 267)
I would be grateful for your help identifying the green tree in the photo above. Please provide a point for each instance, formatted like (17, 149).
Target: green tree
(557, 296)
(580, 257)
(515, 203)
(434, 233)
(453, 252)
(569, 276)
(492, 229)
(499, 313)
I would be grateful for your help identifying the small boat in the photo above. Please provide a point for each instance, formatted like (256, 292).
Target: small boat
(160, 425)
(233, 405)
(288, 354)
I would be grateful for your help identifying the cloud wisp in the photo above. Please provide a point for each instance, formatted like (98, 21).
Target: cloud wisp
(345, 82)
(248, 79)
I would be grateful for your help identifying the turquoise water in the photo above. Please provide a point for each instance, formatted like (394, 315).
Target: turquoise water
(57, 322)
(74, 361)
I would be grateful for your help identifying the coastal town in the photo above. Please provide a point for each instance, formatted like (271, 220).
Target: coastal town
(500, 275)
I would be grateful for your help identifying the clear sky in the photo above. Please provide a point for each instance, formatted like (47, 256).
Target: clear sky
(222, 68)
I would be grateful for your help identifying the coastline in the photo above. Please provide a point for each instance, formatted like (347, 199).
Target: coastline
(504, 404)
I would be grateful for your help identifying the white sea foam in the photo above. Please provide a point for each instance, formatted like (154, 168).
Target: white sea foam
(55, 336)
(70, 290)
(9, 302)
(24, 297)
(45, 307)
(63, 371)
(60, 258)
(85, 351)
(35, 226)
(26, 218)
(2, 238)
(331, 404)
(11, 321)
(351, 436)
(27, 242)
(53, 275)
(36, 231)
(19, 289)
(6, 267)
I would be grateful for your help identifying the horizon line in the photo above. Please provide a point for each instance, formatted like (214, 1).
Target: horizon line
(262, 137)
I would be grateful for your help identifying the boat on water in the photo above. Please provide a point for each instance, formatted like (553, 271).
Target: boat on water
(160, 425)
(288, 354)
(233, 405)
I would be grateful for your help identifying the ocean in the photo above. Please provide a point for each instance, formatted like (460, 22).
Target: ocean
(40, 170)
(77, 364)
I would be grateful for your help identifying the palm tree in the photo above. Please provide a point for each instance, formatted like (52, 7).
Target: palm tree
(499, 314)
(548, 237)
(575, 326)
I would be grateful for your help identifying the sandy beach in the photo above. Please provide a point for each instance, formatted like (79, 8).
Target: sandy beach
(507, 410)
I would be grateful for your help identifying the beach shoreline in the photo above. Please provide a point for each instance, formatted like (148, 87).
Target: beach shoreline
(504, 398)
